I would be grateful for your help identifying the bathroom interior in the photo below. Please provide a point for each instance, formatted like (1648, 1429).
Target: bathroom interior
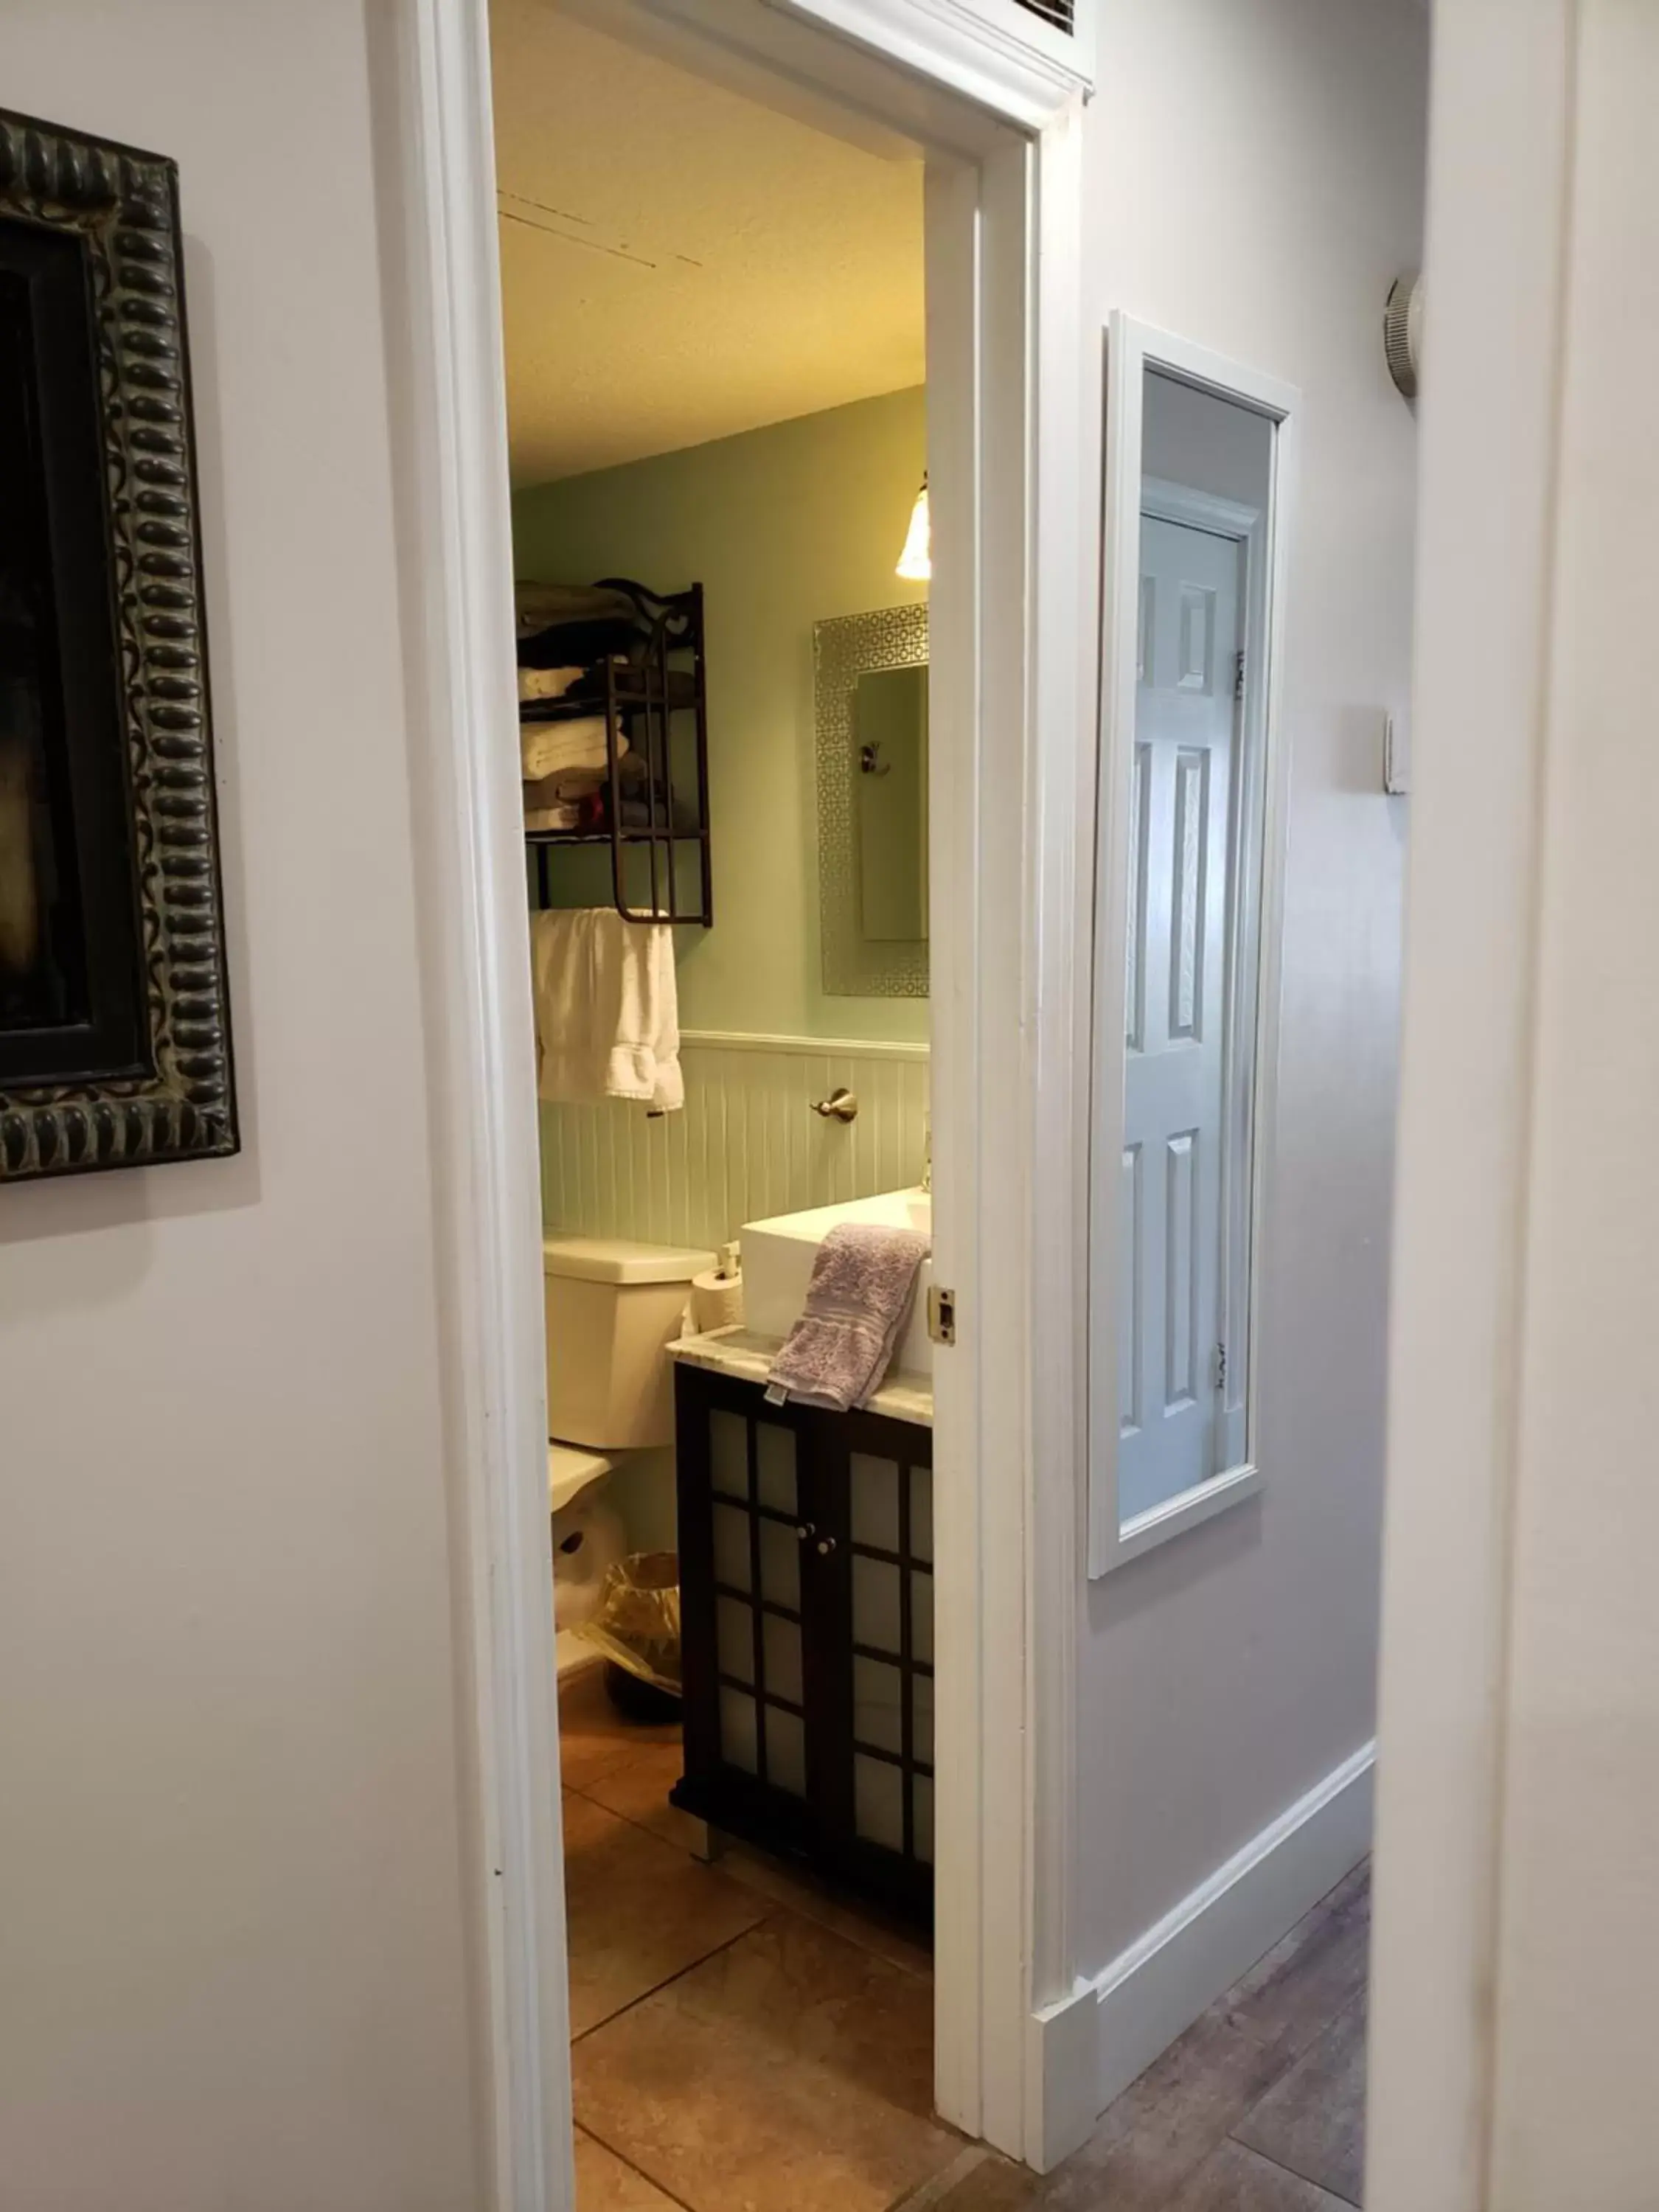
(716, 364)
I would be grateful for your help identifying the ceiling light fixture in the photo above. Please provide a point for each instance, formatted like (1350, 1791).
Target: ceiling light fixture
(915, 564)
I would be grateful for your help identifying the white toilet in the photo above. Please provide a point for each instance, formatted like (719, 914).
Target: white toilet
(612, 1305)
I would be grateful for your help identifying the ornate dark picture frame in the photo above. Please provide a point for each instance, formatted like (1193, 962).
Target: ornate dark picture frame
(114, 1020)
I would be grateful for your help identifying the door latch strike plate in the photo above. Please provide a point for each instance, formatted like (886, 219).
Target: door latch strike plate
(942, 1315)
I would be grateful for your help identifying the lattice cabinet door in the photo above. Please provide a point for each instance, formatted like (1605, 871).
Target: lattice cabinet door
(875, 1482)
(746, 1520)
(806, 1607)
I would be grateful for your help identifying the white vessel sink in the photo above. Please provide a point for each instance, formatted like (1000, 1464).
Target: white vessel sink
(777, 1265)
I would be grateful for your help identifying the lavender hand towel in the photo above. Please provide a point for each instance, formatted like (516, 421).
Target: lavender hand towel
(864, 1280)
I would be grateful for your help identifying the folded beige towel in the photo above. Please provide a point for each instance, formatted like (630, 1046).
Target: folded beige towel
(863, 1285)
(541, 812)
(545, 748)
(547, 683)
(564, 783)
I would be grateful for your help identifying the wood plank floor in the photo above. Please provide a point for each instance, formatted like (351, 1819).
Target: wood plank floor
(1259, 2108)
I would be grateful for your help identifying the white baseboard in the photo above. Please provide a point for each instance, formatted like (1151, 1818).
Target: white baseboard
(1093, 2045)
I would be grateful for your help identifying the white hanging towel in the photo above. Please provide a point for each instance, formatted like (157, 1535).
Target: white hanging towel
(607, 1009)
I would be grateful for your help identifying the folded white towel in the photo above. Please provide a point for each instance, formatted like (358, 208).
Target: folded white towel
(544, 748)
(607, 1009)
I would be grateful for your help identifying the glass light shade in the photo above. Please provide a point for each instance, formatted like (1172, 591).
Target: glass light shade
(915, 564)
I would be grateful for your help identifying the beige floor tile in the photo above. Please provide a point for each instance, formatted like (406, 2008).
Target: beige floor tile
(593, 1737)
(638, 1791)
(985, 2183)
(1234, 2179)
(792, 2070)
(604, 2184)
(844, 1915)
(638, 1911)
(1313, 2119)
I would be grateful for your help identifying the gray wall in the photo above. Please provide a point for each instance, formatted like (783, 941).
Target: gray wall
(1256, 183)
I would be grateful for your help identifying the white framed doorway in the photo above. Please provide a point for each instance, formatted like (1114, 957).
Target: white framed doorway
(1013, 647)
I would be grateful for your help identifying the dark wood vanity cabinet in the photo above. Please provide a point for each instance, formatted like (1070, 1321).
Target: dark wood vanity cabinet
(807, 1595)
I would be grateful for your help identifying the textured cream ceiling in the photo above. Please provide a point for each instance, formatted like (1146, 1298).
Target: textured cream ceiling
(677, 262)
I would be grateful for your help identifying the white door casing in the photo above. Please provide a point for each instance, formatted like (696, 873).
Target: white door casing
(1180, 783)
(1016, 575)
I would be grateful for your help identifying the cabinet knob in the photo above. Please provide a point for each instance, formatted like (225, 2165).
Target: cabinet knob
(826, 1545)
(805, 1532)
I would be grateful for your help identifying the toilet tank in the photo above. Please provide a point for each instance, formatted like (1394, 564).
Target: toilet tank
(612, 1304)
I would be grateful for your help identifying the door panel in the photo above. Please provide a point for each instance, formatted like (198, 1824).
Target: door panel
(806, 1592)
(742, 1482)
(1181, 797)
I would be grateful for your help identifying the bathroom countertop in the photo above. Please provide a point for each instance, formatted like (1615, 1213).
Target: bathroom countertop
(747, 1355)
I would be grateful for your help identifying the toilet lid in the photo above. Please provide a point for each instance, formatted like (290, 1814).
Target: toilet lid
(569, 1471)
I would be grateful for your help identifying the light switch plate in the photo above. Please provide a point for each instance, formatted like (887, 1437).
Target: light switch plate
(1396, 756)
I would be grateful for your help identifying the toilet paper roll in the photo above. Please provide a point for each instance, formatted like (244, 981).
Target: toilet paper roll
(716, 1301)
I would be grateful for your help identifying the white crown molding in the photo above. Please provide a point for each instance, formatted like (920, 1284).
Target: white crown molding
(1029, 77)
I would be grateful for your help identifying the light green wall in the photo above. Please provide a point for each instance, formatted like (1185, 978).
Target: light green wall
(782, 527)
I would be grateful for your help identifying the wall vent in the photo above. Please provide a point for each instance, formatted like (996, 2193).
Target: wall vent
(1062, 14)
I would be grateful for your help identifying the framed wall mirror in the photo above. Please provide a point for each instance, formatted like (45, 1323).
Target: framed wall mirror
(1189, 855)
(871, 701)
(114, 1043)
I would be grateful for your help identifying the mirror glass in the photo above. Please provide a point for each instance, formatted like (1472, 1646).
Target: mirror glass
(1194, 790)
(870, 697)
(889, 740)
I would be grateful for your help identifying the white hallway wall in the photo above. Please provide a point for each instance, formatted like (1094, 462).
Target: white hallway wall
(232, 1958)
(1512, 2065)
(1256, 185)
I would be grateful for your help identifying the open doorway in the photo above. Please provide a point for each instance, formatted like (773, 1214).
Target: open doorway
(1005, 904)
(714, 346)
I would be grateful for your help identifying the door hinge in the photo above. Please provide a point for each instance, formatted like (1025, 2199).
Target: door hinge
(942, 1315)
(1238, 674)
(1221, 1367)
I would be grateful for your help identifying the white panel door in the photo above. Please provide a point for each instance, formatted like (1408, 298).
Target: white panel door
(1181, 793)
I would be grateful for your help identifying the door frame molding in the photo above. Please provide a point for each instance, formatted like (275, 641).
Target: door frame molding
(1503, 129)
(437, 158)
(1011, 450)
(1132, 348)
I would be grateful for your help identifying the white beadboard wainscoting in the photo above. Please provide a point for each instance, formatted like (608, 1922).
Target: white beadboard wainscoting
(746, 1147)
